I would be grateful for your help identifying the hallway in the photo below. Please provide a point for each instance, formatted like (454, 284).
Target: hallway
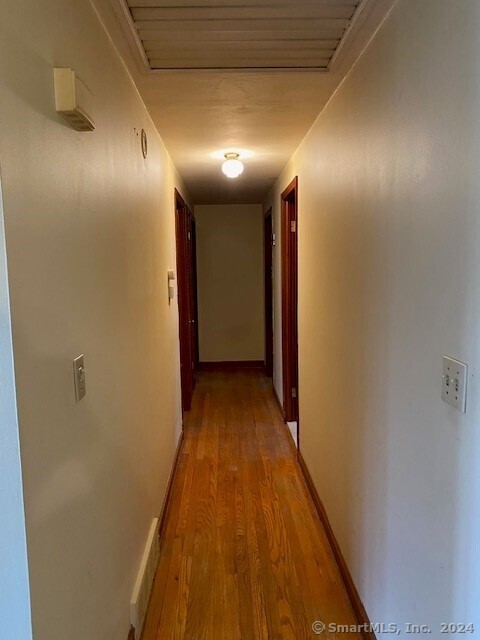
(221, 223)
(243, 553)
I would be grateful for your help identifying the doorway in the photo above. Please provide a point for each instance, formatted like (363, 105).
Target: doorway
(187, 298)
(268, 294)
(289, 201)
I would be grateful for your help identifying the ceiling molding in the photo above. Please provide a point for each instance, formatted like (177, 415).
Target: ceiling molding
(124, 15)
(356, 22)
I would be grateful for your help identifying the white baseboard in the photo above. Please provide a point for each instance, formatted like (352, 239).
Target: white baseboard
(144, 582)
(293, 428)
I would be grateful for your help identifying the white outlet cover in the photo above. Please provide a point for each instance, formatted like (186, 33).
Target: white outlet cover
(454, 383)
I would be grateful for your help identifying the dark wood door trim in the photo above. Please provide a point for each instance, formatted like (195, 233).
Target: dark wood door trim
(186, 298)
(289, 203)
(268, 290)
(191, 293)
(195, 293)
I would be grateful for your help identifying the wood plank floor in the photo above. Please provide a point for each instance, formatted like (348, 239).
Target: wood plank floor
(244, 556)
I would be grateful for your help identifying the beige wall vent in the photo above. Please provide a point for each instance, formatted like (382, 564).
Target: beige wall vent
(239, 34)
(73, 100)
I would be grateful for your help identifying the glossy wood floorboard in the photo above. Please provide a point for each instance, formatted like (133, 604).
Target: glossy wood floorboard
(243, 555)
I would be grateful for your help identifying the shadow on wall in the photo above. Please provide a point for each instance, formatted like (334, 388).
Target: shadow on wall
(401, 491)
(87, 473)
(71, 510)
(389, 281)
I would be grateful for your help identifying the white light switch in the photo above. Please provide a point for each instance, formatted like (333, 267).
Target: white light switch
(454, 383)
(79, 378)
(171, 286)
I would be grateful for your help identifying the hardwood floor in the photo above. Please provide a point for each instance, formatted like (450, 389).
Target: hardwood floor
(243, 556)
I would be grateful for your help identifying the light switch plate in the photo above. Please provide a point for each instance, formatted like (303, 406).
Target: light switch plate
(79, 378)
(171, 286)
(454, 383)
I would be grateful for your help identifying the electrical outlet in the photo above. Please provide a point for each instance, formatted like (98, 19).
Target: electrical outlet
(79, 378)
(454, 383)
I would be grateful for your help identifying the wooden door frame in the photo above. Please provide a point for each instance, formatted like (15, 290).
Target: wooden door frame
(268, 289)
(195, 292)
(187, 349)
(191, 292)
(289, 205)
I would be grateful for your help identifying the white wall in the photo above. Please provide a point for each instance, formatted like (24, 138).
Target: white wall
(14, 591)
(230, 282)
(90, 236)
(389, 281)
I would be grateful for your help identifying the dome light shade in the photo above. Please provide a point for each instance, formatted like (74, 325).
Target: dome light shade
(232, 167)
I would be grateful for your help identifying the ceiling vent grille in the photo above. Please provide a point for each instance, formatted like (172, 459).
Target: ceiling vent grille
(239, 34)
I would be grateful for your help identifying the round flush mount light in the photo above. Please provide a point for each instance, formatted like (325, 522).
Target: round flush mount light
(232, 167)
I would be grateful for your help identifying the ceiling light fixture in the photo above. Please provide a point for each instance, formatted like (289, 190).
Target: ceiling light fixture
(232, 167)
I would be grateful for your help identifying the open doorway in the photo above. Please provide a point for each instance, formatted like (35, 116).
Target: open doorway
(268, 294)
(187, 298)
(289, 201)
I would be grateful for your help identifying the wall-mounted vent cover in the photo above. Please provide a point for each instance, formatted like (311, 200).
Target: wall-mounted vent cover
(239, 34)
(143, 584)
(73, 100)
